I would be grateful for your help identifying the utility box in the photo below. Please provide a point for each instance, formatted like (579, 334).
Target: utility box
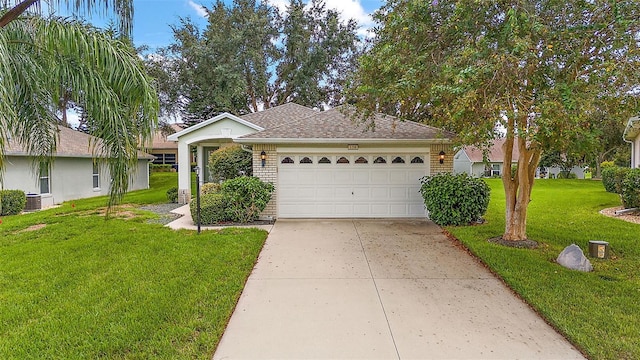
(599, 249)
(34, 202)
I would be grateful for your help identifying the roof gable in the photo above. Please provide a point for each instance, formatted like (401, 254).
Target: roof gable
(213, 120)
(337, 124)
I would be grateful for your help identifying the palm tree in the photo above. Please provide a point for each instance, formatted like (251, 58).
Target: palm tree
(44, 60)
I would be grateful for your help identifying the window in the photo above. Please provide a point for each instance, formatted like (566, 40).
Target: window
(324, 160)
(159, 158)
(495, 169)
(417, 160)
(170, 159)
(380, 160)
(287, 160)
(342, 160)
(398, 160)
(306, 160)
(361, 160)
(96, 176)
(45, 181)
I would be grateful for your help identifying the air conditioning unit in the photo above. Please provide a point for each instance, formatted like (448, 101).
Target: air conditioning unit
(34, 202)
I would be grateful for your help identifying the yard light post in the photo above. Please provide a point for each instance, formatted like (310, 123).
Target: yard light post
(197, 169)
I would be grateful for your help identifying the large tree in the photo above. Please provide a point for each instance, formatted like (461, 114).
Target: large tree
(251, 56)
(44, 61)
(532, 67)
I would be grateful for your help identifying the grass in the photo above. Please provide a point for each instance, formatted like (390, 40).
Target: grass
(599, 311)
(86, 287)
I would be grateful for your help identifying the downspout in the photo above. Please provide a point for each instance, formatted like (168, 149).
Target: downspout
(633, 151)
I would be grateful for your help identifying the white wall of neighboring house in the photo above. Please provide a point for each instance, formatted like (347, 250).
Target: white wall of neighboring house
(635, 153)
(70, 178)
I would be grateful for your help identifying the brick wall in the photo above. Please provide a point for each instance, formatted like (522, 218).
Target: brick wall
(435, 165)
(268, 173)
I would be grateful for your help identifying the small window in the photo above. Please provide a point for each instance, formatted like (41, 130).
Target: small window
(342, 160)
(379, 160)
(170, 159)
(287, 160)
(324, 160)
(306, 160)
(361, 160)
(417, 160)
(96, 176)
(495, 169)
(45, 181)
(398, 160)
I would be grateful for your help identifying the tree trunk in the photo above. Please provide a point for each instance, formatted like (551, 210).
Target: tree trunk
(16, 11)
(518, 189)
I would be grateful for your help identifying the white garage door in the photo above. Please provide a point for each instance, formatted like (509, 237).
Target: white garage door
(363, 185)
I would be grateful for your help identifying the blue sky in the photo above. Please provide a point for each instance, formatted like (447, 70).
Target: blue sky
(153, 17)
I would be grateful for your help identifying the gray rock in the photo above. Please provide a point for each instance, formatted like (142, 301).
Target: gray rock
(573, 258)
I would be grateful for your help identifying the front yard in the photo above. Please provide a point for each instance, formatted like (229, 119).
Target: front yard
(598, 311)
(73, 285)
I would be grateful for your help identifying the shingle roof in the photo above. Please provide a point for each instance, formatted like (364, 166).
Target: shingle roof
(494, 153)
(278, 115)
(160, 140)
(335, 124)
(71, 143)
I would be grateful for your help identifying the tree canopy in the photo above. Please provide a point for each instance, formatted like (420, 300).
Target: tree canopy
(535, 68)
(45, 60)
(251, 56)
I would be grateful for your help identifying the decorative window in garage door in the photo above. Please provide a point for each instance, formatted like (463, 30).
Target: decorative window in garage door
(417, 160)
(361, 160)
(380, 160)
(287, 160)
(342, 160)
(398, 160)
(306, 160)
(324, 160)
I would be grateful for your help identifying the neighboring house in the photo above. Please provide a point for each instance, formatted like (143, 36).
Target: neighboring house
(478, 163)
(489, 163)
(73, 174)
(322, 164)
(165, 151)
(632, 136)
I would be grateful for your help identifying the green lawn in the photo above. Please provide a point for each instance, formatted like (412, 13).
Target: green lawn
(85, 287)
(598, 311)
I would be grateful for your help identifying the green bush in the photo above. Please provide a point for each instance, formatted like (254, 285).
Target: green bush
(230, 162)
(631, 189)
(209, 188)
(213, 209)
(172, 194)
(12, 202)
(249, 196)
(612, 177)
(567, 175)
(454, 199)
(239, 200)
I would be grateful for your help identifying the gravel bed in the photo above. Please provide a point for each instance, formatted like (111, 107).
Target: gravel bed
(164, 210)
(611, 212)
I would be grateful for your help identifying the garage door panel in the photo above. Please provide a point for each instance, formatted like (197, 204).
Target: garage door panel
(350, 190)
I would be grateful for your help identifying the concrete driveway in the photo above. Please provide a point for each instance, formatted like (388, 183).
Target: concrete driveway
(379, 289)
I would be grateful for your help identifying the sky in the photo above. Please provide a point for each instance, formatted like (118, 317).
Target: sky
(152, 18)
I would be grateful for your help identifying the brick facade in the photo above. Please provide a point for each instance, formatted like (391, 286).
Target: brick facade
(268, 173)
(435, 165)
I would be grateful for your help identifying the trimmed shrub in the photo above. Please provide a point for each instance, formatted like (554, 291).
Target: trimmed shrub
(454, 199)
(230, 162)
(567, 175)
(631, 189)
(172, 195)
(612, 177)
(12, 202)
(248, 195)
(209, 188)
(213, 209)
(239, 200)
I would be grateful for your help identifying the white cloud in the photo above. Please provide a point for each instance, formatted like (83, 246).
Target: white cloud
(348, 9)
(200, 10)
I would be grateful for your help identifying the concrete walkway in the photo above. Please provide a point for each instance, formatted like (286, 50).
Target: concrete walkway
(186, 222)
(379, 289)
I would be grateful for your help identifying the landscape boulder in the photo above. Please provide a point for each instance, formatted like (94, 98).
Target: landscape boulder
(573, 258)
